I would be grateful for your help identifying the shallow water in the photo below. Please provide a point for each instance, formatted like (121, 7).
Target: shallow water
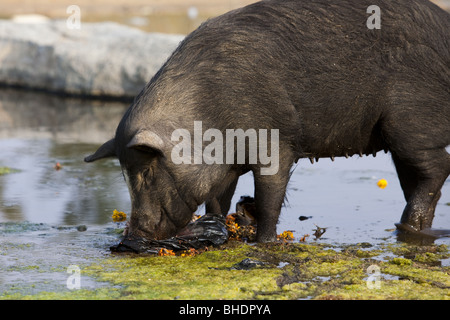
(343, 197)
(41, 207)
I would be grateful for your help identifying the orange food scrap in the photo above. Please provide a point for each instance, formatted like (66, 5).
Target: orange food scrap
(230, 219)
(189, 253)
(58, 166)
(119, 216)
(303, 239)
(239, 232)
(233, 229)
(286, 235)
(165, 252)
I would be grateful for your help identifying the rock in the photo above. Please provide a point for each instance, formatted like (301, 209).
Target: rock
(248, 264)
(81, 228)
(99, 59)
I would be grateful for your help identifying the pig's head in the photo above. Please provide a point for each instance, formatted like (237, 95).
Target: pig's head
(159, 207)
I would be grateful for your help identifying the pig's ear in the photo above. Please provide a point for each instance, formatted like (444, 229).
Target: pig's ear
(105, 151)
(147, 141)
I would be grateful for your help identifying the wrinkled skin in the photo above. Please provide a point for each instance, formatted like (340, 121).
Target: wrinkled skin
(312, 70)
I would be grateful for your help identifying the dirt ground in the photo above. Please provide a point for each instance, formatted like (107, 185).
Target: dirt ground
(56, 8)
(169, 16)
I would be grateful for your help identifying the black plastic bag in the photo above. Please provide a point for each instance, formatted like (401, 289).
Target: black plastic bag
(208, 230)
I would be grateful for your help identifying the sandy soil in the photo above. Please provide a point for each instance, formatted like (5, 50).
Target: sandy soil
(56, 8)
(170, 16)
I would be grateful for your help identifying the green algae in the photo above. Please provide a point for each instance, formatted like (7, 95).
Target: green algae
(19, 227)
(289, 271)
(7, 170)
(401, 261)
(205, 276)
(389, 290)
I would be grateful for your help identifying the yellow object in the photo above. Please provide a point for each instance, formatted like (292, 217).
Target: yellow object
(165, 252)
(286, 235)
(119, 216)
(189, 253)
(239, 232)
(382, 183)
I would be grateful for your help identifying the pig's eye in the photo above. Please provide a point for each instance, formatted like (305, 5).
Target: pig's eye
(147, 175)
(147, 151)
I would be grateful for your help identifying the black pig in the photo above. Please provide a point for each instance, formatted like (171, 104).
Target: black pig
(329, 83)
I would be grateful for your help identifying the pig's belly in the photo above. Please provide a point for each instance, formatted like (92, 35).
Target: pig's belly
(341, 144)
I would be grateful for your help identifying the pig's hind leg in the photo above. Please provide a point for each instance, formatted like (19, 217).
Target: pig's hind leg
(415, 127)
(221, 204)
(421, 186)
(421, 178)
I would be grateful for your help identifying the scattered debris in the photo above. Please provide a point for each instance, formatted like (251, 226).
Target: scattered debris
(318, 232)
(303, 239)
(119, 216)
(242, 224)
(208, 230)
(286, 235)
(191, 252)
(165, 252)
(203, 231)
(58, 166)
(245, 211)
(248, 264)
(302, 218)
(240, 232)
(81, 228)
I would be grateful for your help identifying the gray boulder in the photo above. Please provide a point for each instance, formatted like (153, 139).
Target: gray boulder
(100, 59)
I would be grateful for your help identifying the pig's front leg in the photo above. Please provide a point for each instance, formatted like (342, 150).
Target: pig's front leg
(270, 193)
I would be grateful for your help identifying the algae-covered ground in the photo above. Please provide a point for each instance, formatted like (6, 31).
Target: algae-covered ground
(271, 271)
(6, 170)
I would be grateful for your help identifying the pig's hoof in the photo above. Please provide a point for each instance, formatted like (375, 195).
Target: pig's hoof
(265, 238)
(405, 227)
(410, 234)
(130, 244)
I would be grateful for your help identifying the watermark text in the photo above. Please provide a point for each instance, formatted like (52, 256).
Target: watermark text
(237, 150)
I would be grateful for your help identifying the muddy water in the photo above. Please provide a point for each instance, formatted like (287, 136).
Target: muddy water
(51, 219)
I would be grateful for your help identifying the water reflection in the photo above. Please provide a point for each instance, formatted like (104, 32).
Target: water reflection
(31, 115)
(36, 132)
